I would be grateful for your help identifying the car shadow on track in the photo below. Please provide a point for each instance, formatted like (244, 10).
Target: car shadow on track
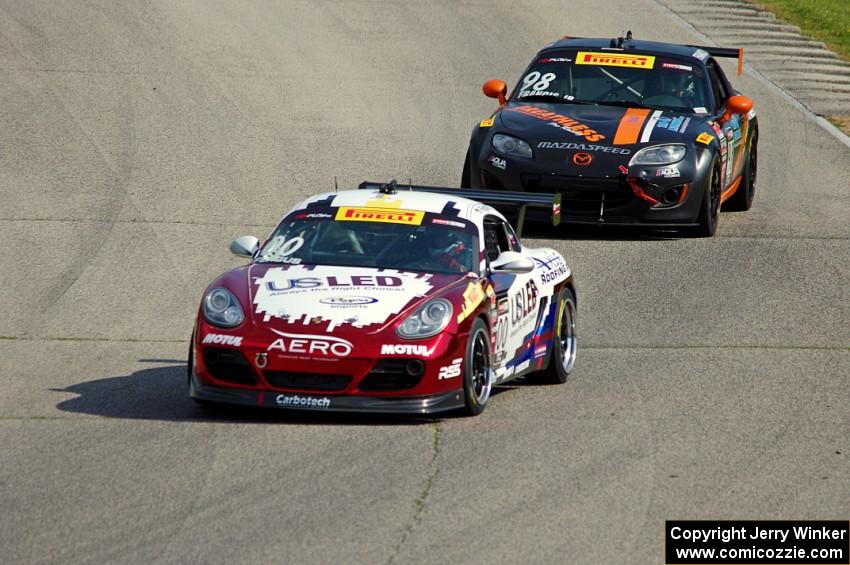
(159, 393)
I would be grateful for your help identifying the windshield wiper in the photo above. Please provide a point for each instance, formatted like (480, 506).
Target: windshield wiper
(624, 104)
(552, 99)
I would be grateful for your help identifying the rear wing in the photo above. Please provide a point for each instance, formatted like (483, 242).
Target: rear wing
(505, 201)
(727, 52)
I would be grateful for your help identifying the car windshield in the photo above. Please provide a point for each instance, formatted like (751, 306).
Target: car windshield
(387, 239)
(616, 78)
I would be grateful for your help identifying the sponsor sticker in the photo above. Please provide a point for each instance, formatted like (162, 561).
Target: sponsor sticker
(345, 301)
(487, 123)
(545, 60)
(615, 60)
(443, 222)
(562, 122)
(405, 349)
(498, 162)
(306, 344)
(677, 67)
(472, 297)
(668, 172)
(298, 401)
(451, 371)
(221, 339)
(384, 215)
(705, 138)
(540, 351)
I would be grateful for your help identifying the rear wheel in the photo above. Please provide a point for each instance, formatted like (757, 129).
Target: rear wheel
(565, 341)
(478, 370)
(709, 213)
(742, 200)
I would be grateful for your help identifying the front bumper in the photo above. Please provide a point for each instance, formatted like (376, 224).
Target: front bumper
(430, 404)
(592, 200)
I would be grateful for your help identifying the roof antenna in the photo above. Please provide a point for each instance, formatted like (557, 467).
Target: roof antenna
(336, 186)
(409, 183)
(389, 188)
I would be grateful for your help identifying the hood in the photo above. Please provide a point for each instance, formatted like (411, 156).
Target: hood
(337, 299)
(609, 134)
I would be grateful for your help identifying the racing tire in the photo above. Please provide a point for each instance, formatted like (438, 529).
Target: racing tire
(709, 213)
(564, 342)
(464, 176)
(742, 200)
(478, 370)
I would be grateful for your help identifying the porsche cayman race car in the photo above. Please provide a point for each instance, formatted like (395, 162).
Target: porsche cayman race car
(629, 132)
(386, 299)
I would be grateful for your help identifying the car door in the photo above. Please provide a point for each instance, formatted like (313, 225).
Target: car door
(731, 132)
(517, 299)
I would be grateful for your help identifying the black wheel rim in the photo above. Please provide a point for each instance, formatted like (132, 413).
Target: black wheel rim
(753, 170)
(480, 369)
(714, 197)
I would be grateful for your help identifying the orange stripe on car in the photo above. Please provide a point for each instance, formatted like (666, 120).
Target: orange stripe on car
(727, 194)
(630, 126)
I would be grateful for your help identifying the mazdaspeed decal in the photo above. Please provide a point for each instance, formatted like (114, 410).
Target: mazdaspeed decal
(358, 296)
(615, 60)
(705, 138)
(385, 215)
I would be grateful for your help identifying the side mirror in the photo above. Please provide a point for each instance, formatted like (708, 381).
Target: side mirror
(245, 246)
(496, 89)
(512, 262)
(736, 105)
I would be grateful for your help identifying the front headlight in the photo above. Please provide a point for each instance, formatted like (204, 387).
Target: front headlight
(659, 155)
(222, 309)
(429, 319)
(508, 145)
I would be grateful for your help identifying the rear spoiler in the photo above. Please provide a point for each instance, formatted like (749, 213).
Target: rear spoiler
(502, 200)
(728, 52)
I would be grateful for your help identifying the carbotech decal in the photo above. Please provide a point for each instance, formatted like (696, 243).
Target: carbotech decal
(630, 125)
(384, 215)
(339, 295)
(615, 60)
(472, 297)
(559, 121)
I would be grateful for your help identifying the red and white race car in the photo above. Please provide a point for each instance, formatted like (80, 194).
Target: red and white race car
(386, 299)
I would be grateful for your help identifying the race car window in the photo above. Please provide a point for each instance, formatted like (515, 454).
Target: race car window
(495, 237)
(717, 85)
(406, 240)
(620, 79)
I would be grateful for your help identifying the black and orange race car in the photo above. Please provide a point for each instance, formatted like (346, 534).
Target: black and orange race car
(629, 132)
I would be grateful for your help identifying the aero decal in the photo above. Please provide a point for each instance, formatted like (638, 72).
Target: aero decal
(630, 124)
(357, 296)
(615, 60)
(385, 215)
(650, 126)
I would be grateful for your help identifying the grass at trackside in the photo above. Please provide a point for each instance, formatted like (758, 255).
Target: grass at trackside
(825, 20)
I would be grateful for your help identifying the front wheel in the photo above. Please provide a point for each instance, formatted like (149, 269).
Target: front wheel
(565, 341)
(478, 370)
(464, 176)
(709, 213)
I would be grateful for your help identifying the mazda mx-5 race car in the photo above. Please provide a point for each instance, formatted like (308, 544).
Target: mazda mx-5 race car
(403, 300)
(629, 132)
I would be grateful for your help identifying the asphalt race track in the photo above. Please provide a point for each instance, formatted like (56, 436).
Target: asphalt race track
(138, 139)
